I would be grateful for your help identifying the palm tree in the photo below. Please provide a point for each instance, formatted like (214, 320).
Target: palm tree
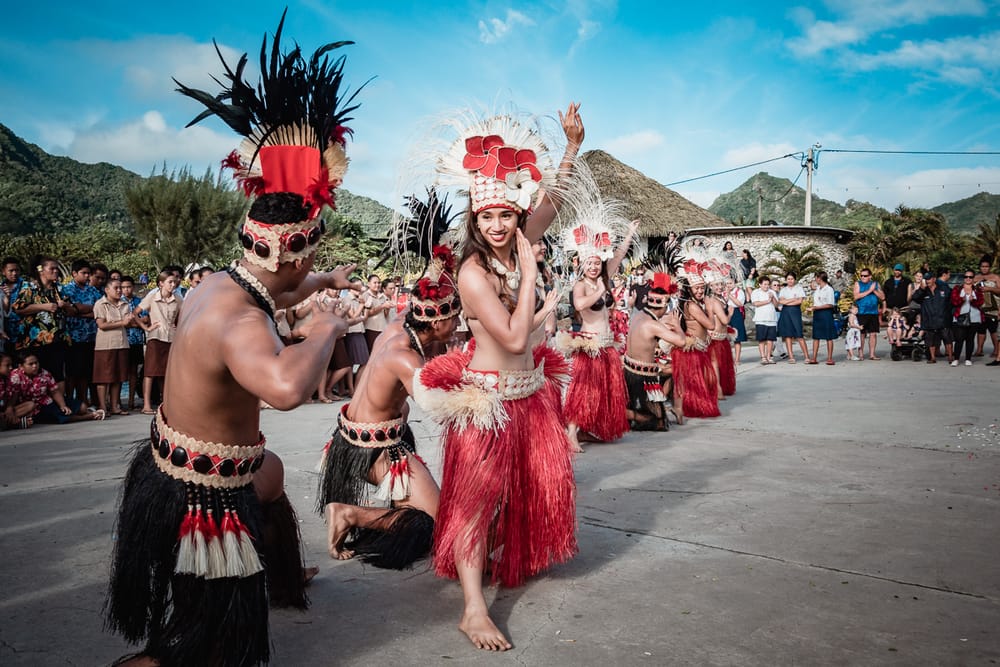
(886, 241)
(801, 261)
(987, 241)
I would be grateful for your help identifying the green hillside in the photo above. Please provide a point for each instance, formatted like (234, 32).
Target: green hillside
(785, 204)
(48, 194)
(965, 215)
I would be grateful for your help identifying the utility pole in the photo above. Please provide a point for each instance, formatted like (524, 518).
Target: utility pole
(811, 163)
(760, 200)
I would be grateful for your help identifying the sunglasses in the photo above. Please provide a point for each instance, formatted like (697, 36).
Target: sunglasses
(968, 277)
(294, 242)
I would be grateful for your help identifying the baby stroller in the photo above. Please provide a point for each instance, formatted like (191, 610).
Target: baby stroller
(913, 347)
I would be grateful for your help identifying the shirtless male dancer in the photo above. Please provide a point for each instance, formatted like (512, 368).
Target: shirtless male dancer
(643, 375)
(379, 499)
(205, 534)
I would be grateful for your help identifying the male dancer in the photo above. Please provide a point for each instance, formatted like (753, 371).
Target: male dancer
(205, 533)
(643, 375)
(379, 499)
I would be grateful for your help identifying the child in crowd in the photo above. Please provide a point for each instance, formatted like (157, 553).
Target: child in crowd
(895, 327)
(915, 330)
(113, 315)
(136, 340)
(163, 307)
(15, 412)
(33, 383)
(853, 341)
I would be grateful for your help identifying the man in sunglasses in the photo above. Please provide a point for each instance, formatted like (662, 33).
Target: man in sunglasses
(379, 500)
(868, 295)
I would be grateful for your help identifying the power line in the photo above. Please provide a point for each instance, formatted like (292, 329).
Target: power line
(790, 187)
(846, 150)
(727, 171)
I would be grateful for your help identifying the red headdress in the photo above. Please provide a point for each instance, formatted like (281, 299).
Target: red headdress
(293, 124)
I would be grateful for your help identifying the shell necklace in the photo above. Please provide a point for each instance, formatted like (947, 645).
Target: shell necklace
(511, 277)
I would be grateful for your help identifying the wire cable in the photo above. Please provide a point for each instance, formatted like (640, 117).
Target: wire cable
(727, 171)
(846, 150)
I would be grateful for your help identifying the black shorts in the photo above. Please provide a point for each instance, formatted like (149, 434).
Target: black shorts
(765, 332)
(990, 325)
(869, 323)
(935, 337)
(80, 361)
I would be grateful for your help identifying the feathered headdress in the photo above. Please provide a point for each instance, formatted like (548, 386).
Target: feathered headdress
(292, 155)
(589, 225)
(434, 296)
(501, 161)
(701, 264)
(663, 284)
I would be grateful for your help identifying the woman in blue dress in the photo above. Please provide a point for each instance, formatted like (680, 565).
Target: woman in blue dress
(822, 312)
(790, 319)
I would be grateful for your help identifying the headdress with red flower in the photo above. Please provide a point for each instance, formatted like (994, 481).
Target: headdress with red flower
(293, 124)
(501, 161)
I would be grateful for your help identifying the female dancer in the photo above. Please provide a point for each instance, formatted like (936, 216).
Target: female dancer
(595, 401)
(507, 491)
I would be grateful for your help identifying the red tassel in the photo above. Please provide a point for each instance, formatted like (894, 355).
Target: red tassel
(185, 552)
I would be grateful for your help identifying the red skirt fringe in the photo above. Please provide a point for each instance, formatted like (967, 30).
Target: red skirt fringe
(695, 378)
(722, 353)
(596, 398)
(508, 495)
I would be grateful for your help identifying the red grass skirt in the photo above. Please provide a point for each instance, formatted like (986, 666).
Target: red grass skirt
(507, 491)
(597, 394)
(722, 353)
(695, 378)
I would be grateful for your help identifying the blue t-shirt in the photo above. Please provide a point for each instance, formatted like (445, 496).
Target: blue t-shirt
(867, 305)
(81, 330)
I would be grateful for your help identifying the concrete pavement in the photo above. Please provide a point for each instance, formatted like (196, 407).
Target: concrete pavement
(843, 515)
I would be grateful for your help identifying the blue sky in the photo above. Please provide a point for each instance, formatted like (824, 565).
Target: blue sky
(675, 93)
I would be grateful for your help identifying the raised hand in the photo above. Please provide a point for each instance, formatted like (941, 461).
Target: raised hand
(339, 277)
(572, 124)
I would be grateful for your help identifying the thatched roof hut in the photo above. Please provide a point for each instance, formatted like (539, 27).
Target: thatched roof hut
(660, 209)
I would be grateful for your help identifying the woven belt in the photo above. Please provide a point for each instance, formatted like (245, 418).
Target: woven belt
(650, 368)
(510, 385)
(206, 463)
(373, 435)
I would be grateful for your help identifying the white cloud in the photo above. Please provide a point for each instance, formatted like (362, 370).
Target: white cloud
(494, 30)
(586, 31)
(634, 144)
(148, 142)
(860, 19)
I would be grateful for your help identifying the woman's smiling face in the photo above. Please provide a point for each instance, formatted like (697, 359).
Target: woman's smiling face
(497, 226)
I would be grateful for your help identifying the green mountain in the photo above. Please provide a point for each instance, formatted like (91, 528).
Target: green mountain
(784, 202)
(965, 215)
(47, 193)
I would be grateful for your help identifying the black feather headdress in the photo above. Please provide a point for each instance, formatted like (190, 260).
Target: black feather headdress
(417, 234)
(294, 134)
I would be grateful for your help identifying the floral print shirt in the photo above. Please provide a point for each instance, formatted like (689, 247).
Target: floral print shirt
(81, 329)
(38, 388)
(42, 328)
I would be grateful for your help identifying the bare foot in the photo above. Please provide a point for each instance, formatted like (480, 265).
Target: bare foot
(479, 628)
(138, 661)
(308, 573)
(337, 525)
(574, 441)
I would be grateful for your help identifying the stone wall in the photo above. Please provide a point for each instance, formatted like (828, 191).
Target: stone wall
(832, 242)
